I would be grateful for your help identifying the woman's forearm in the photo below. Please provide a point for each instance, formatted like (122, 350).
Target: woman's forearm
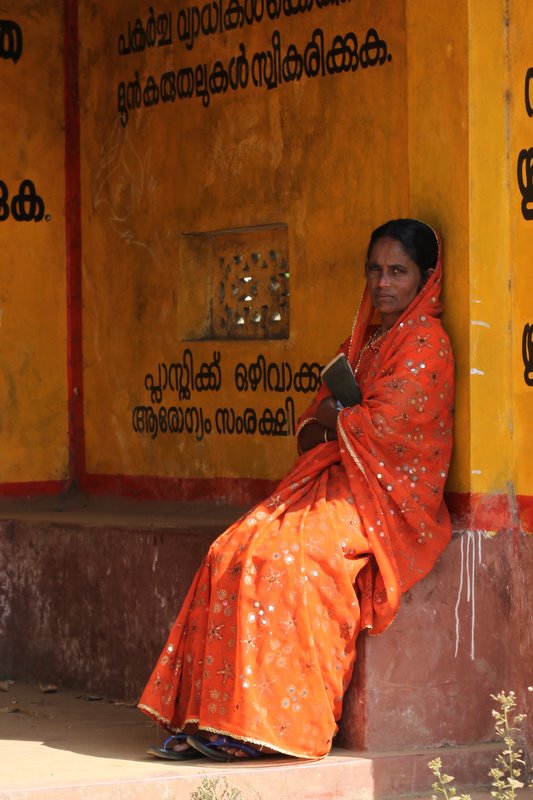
(314, 434)
(327, 414)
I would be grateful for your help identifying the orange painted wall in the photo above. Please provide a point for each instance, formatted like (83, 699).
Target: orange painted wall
(328, 157)
(312, 164)
(437, 120)
(33, 355)
(521, 248)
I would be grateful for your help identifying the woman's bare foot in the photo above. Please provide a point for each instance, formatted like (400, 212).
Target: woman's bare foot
(225, 748)
(179, 747)
(233, 751)
(179, 743)
(174, 748)
(238, 753)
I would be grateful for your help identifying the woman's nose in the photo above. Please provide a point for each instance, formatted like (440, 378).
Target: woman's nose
(384, 278)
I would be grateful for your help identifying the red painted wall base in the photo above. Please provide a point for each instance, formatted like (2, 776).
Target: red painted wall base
(481, 512)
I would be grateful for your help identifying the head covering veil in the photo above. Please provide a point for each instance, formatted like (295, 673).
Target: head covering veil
(428, 298)
(395, 446)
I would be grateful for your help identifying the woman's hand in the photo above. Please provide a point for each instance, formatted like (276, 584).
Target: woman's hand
(327, 414)
(323, 430)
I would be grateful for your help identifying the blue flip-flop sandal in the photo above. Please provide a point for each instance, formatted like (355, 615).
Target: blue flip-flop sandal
(166, 752)
(215, 751)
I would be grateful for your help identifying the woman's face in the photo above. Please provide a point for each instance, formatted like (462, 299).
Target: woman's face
(393, 279)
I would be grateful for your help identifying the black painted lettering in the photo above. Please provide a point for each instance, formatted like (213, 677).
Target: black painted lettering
(527, 353)
(528, 90)
(373, 51)
(164, 29)
(267, 68)
(27, 205)
(122, 105)
(151, 29)
(167, 87)
(151, 93)
(525, 181)
(4, 204)
(10, 40)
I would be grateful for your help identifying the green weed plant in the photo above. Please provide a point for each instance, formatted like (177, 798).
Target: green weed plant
(508, 773)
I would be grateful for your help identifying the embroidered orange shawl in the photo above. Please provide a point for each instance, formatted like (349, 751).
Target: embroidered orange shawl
(264, 645)
(396, 446)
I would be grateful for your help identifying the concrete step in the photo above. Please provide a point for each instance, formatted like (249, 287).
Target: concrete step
(66, 746)
(100, 625)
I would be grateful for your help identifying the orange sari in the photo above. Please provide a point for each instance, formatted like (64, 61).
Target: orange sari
(264, 646)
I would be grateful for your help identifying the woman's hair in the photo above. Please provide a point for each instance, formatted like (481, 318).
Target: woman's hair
(417, 239)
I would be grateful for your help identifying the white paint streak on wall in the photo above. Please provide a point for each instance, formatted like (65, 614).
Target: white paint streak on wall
(475, 371)
(459, 593)
(476, 472)
(5, 606)
(472, 592)
(468, 566)
(480, 322)
(162, 599)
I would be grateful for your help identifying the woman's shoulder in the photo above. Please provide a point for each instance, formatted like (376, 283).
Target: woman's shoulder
(425, 333)
(423, 325)
(345, 346)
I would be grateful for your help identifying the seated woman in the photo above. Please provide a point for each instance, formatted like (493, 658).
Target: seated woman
(263, 649)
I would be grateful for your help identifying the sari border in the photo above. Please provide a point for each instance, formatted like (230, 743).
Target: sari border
(350, 449)
(193, 720)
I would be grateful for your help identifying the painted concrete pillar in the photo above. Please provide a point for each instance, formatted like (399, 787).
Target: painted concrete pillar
(33, 304)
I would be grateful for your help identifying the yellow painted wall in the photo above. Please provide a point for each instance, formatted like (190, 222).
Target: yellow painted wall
(437, 119)
(500, 239)
(436, 131)
(490, 269)
(521, 236)
(330, 157)
(33, 394)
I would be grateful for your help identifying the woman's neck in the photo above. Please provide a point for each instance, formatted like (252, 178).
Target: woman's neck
(387, 321)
